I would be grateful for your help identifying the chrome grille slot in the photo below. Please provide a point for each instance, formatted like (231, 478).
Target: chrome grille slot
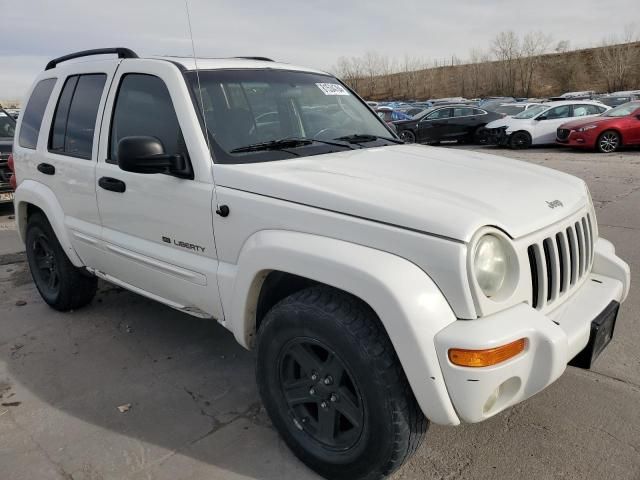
(559, 261)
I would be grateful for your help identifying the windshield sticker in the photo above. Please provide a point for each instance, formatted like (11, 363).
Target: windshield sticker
(332, 89)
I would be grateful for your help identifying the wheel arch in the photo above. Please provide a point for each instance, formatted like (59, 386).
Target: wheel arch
(274, 264)
(31, 197)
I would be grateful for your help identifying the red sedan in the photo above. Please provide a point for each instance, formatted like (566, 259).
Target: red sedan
(606, 133)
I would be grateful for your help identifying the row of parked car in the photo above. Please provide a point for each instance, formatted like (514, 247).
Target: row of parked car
(571, 119)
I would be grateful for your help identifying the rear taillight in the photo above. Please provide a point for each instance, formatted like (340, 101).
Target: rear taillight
(12, 180)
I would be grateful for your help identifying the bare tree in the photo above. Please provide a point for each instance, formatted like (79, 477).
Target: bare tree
(506, 48)
(534, 45)
(615, 59)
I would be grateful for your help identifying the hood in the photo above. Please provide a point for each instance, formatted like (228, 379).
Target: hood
(509, 122)
(435, 190)
(587, 121)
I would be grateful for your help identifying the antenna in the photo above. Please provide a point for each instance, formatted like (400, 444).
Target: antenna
(204, 117)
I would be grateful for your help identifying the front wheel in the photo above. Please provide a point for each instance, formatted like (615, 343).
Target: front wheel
(520, 140)
(407, 136)
(608, 142)
(334, 388)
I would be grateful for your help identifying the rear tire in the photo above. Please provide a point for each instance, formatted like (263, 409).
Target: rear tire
(61, 285)
(608, 142)
(520, 140)
(334, 388)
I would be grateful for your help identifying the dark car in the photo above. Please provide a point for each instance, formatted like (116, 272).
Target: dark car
(7, 130)
(450, 122)
(606, 133)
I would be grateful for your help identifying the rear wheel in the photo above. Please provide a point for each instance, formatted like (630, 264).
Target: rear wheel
(407, 136)
(334, 388)
(520, 140)
(62, 285)
(608, 142)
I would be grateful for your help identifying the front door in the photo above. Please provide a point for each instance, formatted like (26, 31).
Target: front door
(157, 228)
(433, 127)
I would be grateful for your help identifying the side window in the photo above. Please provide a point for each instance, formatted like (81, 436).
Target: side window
(33, 113)
(580, 110)
(477, 111)
(143, 107)
(74, 121)
(442, 113)
(463, 112)
(559, 112)
(601, 109)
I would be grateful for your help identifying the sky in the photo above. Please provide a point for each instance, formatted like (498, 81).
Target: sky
(311, 33)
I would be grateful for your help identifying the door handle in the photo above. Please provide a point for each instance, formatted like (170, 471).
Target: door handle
(46, 168)
(112, 184)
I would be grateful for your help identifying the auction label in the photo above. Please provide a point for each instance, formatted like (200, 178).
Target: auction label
(332, 89)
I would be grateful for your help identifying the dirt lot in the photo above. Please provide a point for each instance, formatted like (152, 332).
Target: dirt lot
(194, 410)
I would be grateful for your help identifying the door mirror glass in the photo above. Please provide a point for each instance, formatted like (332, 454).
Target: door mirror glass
(147, 155)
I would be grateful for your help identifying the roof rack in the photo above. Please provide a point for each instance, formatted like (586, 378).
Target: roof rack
(263, 59)
(121, 52)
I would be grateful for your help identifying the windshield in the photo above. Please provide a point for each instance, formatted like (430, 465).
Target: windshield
(7, 126)
(250, 108)
(532, 112)
(622, 110)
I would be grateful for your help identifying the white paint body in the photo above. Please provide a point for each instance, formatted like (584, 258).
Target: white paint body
(394, 226)
(542, 132)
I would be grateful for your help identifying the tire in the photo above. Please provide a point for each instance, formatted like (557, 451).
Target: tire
(480, 136)
(61, 285)
(608, 142)
(361, 420)
(520, 140)
(408, 136)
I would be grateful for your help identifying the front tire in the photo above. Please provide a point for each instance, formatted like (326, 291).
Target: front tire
(334, 388)
(608, 142)
(520, 140)
(61, 285)
(407, 136)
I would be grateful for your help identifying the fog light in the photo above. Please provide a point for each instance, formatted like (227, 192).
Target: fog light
(487, 357)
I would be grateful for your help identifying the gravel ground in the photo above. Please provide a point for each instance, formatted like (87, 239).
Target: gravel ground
(192, 410)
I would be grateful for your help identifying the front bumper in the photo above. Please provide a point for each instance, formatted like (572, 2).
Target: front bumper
(553, 339)
(495, 136)
(577, 139)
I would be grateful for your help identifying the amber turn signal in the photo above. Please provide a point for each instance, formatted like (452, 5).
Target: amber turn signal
(488, 357)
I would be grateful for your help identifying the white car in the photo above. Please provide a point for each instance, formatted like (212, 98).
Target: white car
(537, 125)
(382, 285)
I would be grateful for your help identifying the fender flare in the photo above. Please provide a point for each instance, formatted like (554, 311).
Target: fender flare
(409, 304)
(41, 196)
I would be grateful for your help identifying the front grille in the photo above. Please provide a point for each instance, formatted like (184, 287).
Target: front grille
(563, 134)
(560, 261)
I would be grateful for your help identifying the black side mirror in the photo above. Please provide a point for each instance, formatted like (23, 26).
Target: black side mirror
(543, 117)
(147, 155)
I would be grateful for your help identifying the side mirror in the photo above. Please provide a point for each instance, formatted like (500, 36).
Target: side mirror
(542, 117)
(147, 155)
(638, 116)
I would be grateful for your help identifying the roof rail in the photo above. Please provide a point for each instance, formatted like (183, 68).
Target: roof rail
(263, 59)
(121, 52)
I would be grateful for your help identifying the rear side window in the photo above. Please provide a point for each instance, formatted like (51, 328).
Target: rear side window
(144, 108)
(74, 122)
(33, 113)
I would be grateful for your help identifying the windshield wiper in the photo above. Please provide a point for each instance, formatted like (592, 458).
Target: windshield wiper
(284, 143)
(365, 137)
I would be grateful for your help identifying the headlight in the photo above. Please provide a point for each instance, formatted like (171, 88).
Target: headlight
(490, 264)
(588, 127)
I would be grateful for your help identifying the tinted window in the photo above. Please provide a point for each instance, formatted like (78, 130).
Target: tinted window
(558, 112)
(7, 126)
(83, 112)
(442, 113)
(59, 125)
(144, 108)
(32, 116)
(463, 112)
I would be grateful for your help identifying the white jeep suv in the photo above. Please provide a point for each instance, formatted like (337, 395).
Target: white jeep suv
(382, 285)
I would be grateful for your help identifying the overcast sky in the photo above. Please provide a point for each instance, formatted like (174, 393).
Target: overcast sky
(313, 33)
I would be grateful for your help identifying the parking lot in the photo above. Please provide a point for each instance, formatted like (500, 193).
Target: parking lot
(188, 402)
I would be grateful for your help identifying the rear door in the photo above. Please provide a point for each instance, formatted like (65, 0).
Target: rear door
(158, 228)
(68, 146)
